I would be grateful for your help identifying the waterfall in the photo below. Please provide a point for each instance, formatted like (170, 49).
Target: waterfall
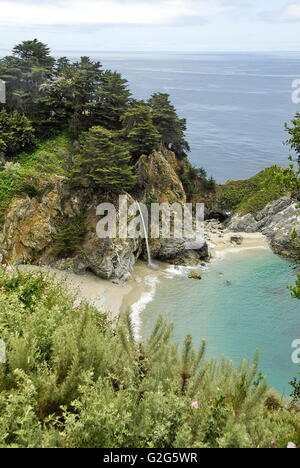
(150, 264)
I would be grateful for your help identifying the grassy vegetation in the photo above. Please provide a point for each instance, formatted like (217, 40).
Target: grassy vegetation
(252, 195)
(22, 177)
(16, 182)
(50, 156)
(71, 380)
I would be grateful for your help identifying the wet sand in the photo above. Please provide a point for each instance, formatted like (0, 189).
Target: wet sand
(114, 299)
(111, 299)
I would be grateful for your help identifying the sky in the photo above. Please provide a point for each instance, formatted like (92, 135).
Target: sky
(152, 25)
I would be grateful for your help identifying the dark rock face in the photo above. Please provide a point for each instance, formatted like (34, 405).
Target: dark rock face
(276, 221)
(113, 262)
(216, 212)
(176, 251)
(238, 240)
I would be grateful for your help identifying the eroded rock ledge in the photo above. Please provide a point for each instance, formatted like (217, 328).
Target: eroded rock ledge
(31, 225)
(276, 221)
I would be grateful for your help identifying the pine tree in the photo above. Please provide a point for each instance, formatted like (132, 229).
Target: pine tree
(24, 72)
(139, 130)
(69, 98)
(34, 52)
(103, 162)
(169, 125)
(112, 100)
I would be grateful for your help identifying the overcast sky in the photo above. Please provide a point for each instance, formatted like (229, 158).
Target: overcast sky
(156, 25)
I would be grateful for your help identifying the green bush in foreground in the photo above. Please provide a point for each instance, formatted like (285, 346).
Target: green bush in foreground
(72, 380)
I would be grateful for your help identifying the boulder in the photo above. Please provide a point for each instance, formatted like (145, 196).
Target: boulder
(195, 275)
(276, 221)
(178, 251)
(237, 240)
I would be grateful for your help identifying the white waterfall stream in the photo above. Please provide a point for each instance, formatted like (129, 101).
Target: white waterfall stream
(150, 264)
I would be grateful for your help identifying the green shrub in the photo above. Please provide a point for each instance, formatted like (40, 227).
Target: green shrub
(252, 195)
(68, 240)
(16, 132)
(53, 155)
(17, 182)
(103, 162)
(71, 380)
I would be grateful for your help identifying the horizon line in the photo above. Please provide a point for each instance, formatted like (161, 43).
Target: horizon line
(57, 51)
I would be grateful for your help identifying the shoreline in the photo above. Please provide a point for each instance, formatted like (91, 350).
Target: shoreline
(137, 292)
(111, 299)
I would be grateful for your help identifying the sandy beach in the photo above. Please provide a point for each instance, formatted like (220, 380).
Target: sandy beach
(250, 241)
(114, 299)
(110, 298)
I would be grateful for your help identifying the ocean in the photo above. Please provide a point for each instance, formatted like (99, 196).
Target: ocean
(235, 104)
(242, 304)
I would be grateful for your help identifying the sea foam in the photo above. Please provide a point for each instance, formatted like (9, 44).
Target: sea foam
(138, 307)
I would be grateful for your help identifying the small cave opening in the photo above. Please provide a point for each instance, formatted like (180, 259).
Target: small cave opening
(217, 215)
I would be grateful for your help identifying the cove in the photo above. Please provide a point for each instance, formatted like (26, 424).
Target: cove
(241, 304)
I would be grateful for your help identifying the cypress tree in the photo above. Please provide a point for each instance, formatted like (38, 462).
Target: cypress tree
(112, 100)
(168, 124)
(139, 130)
(103, 162)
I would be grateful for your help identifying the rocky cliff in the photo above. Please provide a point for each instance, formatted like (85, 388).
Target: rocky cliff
(276, 221)
(34, 227)
(57, 226)
(158, 180)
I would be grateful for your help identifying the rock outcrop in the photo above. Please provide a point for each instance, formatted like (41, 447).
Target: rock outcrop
(110, 259)
(158, 180)
(177, 252)
(31, 225)
(276, 221)
(195, 275)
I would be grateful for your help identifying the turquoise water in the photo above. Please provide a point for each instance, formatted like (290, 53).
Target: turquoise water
(255, 310)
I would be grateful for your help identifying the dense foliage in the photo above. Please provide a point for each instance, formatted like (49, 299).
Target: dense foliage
(68, 240)
(139, 130)
(252, 195)
(71, 380)
(47, 96)
(28, 175)
(103, 162)
(291, 178)
(16, 133)
(77, 95)
(170, 127)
